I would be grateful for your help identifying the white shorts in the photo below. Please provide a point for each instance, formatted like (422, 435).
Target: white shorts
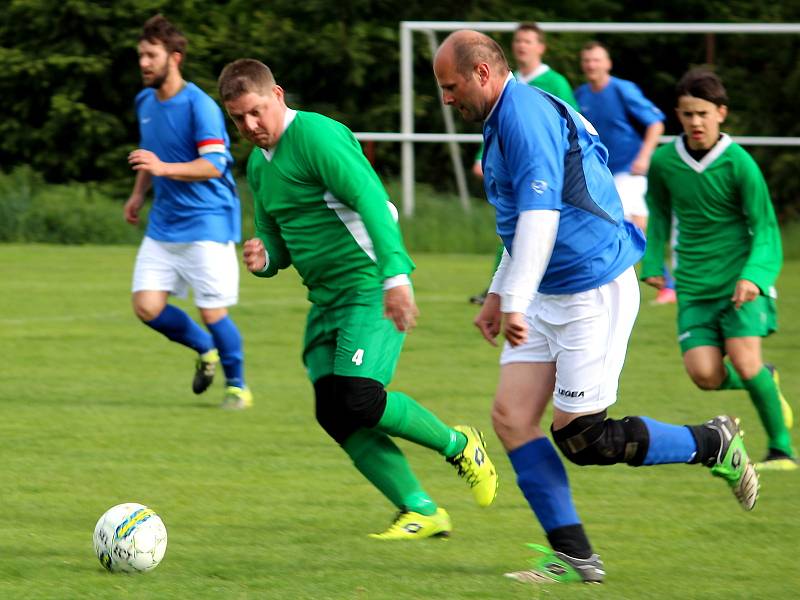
(586, 335)
(632, 190)
(210, 268)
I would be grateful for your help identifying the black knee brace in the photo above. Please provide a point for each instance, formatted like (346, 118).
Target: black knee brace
(345, 404)
(596, 440)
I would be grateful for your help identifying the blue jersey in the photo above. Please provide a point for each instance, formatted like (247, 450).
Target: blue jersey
(181, 129)
(614, 111)
(542, 155)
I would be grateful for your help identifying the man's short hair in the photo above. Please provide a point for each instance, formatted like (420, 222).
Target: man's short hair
(244, 76)
(531, 26)
(477, 49)
(702, 83)
(158, 29)
(592, 44)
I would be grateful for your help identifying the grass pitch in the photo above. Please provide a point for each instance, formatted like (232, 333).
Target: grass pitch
(97, 409)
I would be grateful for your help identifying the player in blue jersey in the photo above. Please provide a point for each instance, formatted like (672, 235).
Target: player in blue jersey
(195, 220)
(629, 126)
(565, 297)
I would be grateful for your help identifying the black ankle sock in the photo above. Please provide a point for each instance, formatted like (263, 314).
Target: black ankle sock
(571, 540)
(708, 444)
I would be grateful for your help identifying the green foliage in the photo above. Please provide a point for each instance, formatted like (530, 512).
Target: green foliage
(68, 71)
(33, 211)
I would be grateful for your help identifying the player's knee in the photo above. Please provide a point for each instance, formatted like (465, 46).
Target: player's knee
(747, 367)
(509, 426)
(596, 440)
(706, 379)
(145, 309)
(330, 412)
(363, 399)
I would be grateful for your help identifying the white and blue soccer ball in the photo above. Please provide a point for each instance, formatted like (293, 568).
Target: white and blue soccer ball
(130, 537)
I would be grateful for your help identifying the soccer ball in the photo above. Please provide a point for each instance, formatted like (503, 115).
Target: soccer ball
(130, 537)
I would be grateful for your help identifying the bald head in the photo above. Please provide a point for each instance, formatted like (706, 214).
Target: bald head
(469, 48)
(471, 70)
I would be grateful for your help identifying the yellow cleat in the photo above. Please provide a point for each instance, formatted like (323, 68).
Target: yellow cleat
(237, 398)
(786, 409)
(415, 526)
(204, 369)
(475, 466)
(778, 464)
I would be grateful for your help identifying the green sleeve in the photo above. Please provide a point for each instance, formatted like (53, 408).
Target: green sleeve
(766, 253)
(267, 229)
(564, 91)
(659, 222)
(479, 154)
(337, 159)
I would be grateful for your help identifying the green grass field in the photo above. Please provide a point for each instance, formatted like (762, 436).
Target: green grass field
(97, 409)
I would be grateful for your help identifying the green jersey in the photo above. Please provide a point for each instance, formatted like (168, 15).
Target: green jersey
(320, 206)
(547, 80)
(550, 81)
(726, 226)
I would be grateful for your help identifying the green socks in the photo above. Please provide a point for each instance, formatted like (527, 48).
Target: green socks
(404, 417)
(377, 457)
(732, 381)
(764, 395)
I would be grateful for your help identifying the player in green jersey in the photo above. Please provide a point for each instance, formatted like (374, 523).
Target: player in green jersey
(528, 47)
(321, 207)
(729, 256)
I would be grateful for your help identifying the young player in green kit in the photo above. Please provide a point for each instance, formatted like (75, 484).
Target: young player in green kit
(729, 256)
(321, 207)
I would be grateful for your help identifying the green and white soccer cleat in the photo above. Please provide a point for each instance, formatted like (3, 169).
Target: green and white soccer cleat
(415, 526)
(557, 567)
(475, 467)
(786, 408)
(732, 463)
(237, 398)
(204, 370)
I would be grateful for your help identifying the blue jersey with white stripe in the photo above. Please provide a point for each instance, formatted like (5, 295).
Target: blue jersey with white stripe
(181, 129)
(613, 111)
(542, 155)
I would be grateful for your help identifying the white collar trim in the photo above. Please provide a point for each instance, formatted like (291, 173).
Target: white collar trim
(712, 155)
(288, 117)
(537, 72)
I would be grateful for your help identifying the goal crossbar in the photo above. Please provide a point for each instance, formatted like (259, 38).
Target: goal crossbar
(407, 137)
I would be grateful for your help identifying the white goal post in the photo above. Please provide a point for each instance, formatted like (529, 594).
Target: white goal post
(408, 137)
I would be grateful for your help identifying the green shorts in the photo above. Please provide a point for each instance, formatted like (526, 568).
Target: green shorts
(711, 322)
(354, 340)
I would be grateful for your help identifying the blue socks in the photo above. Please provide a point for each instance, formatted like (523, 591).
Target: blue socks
(669, 281)
(543, 481)
(229, 344)
(179, 327)
(668, 443)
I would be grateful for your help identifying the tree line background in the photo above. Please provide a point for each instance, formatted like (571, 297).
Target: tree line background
(69, 73)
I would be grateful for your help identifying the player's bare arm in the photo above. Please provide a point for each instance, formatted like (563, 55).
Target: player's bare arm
(489, 319)
(254, 255)
(199, 169)
(136, 200)
(746, 291)
(641, 163)
(400, 308)
(657, 282)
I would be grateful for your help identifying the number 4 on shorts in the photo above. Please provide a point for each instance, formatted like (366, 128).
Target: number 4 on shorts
(358, 357)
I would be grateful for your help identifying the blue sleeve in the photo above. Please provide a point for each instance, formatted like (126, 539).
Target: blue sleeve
(210, 135)
(534, 152)
(639, 107)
